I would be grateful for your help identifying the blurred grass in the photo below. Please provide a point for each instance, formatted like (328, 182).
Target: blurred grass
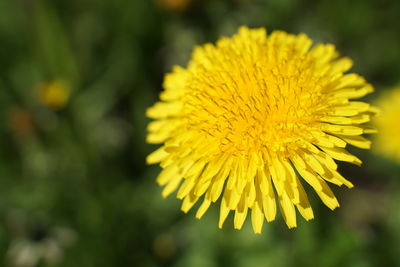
(81, 169)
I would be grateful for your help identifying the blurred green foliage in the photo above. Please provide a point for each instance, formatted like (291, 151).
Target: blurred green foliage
(74, 188)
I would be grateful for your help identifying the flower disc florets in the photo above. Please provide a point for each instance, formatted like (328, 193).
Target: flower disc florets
(250, 115)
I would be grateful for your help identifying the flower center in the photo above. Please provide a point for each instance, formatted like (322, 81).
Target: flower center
(254, 108)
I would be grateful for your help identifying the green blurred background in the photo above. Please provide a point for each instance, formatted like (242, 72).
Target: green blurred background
(76, 78)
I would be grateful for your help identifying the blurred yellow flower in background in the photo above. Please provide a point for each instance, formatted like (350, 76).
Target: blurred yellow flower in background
(54, 95)
(387, 142)
(252, 114)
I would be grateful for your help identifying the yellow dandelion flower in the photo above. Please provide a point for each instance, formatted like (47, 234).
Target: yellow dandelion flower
(387, 142)
(54, 95)
(251, 115)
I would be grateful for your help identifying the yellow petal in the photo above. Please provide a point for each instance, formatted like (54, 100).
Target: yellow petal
(223, 213)
(354, 92)
(310, 177)
(313, 163)
(341, 154)
(263, 181)
(156, 156)
(327, 140)
(269, 206)
(342, 129)
(350, 81)
(257, 218)
(242, 177)
(188, 202)
(218, 184)
(250, 193)
(328, 197)
(171, 186)
(240, 214)
(168, 174)
(291, 183)
(162, 110)
(186, 187)
(340, 65)
(203, 208)
(326, 160)
(288, 211)
(357, 141)
(196, 169)
(304, 206)
(233, 198)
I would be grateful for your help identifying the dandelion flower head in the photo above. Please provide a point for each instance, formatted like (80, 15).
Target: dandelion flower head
(253, 118)
(387, 142)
